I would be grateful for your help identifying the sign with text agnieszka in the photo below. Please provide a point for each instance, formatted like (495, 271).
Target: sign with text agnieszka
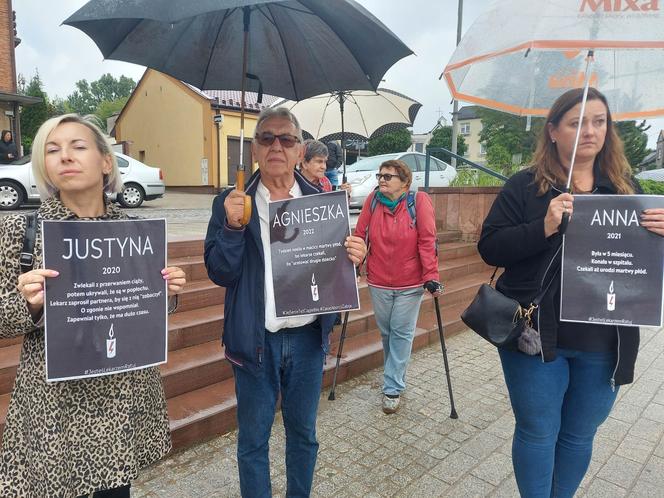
(311, 271)
(106, 311)
(612, 267)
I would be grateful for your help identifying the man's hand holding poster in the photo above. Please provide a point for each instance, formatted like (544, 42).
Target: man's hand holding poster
(612, 269)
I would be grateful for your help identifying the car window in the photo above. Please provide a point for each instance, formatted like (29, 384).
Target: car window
(370, 163)
(24, 160)
(442, 165)
(122, 163)
(411, 161)
(433, 166)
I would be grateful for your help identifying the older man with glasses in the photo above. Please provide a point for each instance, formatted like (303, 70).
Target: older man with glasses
(271, 356)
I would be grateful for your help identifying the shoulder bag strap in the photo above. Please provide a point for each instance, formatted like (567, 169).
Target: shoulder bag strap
(27, 258)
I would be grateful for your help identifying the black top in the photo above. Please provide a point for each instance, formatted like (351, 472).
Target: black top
(513, 237)
(7, 148)
(334, 156)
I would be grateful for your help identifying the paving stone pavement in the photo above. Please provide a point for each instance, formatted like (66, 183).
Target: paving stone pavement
(421, 452)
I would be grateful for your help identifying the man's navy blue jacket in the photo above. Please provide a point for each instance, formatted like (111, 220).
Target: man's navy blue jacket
(234, 259)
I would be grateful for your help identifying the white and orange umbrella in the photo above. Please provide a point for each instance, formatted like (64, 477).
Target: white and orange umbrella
(520, 55)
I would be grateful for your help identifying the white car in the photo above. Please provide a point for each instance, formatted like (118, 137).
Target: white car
(362, 174)
(141, 183)
(652, 174)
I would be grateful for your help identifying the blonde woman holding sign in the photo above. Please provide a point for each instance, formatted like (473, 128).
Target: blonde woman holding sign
(81, 436)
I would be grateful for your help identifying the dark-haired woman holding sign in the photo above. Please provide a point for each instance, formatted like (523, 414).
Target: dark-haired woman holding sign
(72, 438)
(564, 389)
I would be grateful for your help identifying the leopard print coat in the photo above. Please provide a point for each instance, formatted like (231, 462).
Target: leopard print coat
(67, 439)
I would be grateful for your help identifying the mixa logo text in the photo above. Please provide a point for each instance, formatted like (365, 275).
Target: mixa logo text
(619, 5)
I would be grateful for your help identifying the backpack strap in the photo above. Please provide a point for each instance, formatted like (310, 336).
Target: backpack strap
(411, 203)
(27, 258)
(411, 200)
(374, 202)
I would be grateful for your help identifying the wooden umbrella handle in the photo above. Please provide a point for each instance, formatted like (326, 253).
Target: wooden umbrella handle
(239, 185)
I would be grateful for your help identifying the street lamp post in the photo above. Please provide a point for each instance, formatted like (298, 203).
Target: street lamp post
(455, 110)
(218, 119)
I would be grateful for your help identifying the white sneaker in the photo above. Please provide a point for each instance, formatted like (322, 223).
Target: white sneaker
(390, 405)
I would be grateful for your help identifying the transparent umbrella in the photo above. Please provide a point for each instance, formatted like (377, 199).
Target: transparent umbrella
(543, 49)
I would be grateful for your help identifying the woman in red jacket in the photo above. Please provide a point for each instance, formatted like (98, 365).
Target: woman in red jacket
(401, 260)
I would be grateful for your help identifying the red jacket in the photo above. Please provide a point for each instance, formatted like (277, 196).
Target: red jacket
(400, 255)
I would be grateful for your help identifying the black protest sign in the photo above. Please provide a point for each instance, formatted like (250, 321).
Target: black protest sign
(612, 270)
(106, 311)
(311, 271)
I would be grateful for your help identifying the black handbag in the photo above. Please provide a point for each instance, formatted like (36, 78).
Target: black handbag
(497, 318)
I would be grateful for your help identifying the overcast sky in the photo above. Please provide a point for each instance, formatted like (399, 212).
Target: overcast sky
(64, 55)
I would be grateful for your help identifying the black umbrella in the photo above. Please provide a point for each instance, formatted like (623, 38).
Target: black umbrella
(293, 48)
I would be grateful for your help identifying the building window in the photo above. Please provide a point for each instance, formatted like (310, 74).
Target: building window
(419, 147)
(659, 153)
(464, 128)
(482, 149)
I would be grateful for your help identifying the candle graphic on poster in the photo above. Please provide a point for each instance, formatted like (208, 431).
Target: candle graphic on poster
(611, 299)
(314, 288)
(110, 344)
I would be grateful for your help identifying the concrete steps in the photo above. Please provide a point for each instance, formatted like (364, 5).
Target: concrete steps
(197, 378)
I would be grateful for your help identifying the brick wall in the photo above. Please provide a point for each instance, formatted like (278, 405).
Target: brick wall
(463, 209)
(7, 65)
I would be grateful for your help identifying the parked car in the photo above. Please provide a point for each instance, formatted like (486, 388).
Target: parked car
(362, 174)
(651, 174)
(141, 183)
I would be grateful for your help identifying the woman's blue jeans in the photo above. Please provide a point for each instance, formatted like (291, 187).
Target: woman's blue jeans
(558, 407)
(396, 314)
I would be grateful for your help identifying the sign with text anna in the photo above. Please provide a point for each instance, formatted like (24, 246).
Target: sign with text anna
(612, 267)
(106, 311)
(311, 271)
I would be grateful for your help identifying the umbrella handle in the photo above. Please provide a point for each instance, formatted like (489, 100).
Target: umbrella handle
(239, 185)
(563, 224)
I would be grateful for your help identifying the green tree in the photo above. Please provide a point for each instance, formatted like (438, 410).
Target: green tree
(652, 187)
(499, 158)
(33, 116)
(509, 132)
(87, 97)
(635, 138)
(394, 141)
(109, 107)
(80, 100)
(442, 137)
(58, 106)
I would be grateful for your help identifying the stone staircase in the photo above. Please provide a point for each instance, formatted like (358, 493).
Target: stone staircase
(198, 381)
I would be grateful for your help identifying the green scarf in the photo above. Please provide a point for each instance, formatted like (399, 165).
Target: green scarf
(391, 204)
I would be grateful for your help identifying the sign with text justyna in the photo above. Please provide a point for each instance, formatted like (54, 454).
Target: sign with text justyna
(311, 271)
(105, 312)
(612, 267)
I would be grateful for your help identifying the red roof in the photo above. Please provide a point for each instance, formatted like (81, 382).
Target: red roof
(231, 98)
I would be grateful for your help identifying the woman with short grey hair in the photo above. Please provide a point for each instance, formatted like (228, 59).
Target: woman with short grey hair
(313, 166)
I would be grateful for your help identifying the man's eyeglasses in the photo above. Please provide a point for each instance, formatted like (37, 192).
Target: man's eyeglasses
(385, 176)
(266, 139)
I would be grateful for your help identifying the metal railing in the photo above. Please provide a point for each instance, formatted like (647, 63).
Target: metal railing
(470, 163)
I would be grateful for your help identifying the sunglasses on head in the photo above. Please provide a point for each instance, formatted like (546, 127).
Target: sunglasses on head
(385, 176)
(266, 139)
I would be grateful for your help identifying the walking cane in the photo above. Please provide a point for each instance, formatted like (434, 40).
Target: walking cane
(453, 413)
(341, 347)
